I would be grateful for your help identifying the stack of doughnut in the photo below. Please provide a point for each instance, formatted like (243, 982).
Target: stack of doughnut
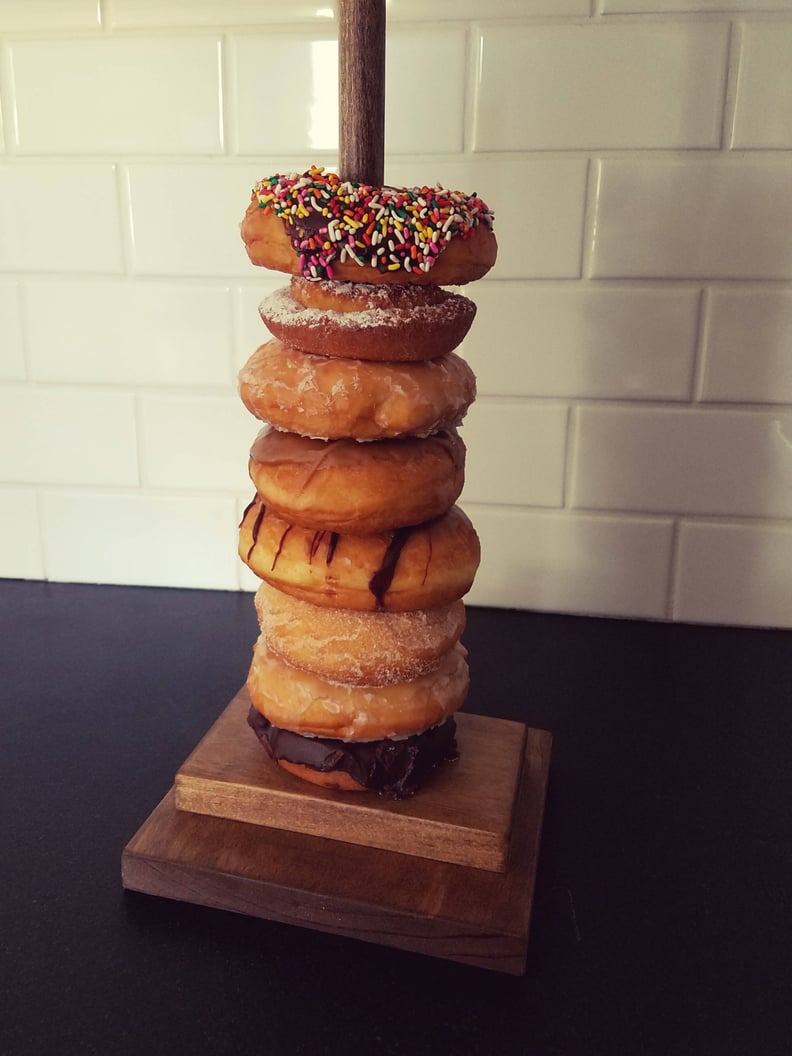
(354, 530)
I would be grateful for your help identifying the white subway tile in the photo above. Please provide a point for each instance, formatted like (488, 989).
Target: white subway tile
(137, 14)
(684, 461)
(597, 86)
(763, 109)
(538, 205)
(142, 13)
(306, 117)
(250, 330)
(425, 67)
(201, 235)
(734, 574)
(67, 436)
(12, 355)
(515, 453)
(561, 562)
(747, 347)
(130, 332)
(105, 95)
(52, 15)
(59, 218)
(648, 7)
(156, 541)
(20, 537)
(579, 340)
(414, 10)
(674, 219)
(195, 442)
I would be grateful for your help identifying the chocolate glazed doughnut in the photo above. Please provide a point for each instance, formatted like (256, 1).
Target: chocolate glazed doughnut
(394, 767)
(418, 567)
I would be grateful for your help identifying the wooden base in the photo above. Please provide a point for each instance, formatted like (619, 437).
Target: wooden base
(401, 898)
(462, 814)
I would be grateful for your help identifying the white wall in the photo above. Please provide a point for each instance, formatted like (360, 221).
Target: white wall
(630, 452)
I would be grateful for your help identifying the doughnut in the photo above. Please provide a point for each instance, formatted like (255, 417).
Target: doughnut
(315, 225)
(353, 487)
(357, 320)
(362, 648)
(299, 701)
(410, 568)
(394, 767)
(319, 396)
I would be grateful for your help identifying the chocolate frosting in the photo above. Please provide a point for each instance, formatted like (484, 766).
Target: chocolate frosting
(394, 767)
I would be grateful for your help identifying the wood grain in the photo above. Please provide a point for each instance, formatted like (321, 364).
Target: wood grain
(451, 911)
(361, 91)
(462, 814)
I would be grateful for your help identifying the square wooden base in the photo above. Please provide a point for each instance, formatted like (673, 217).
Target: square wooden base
(407, 898)
(462, 814)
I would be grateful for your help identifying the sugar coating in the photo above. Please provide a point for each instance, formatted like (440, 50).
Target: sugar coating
(281, 308)
(373, 648)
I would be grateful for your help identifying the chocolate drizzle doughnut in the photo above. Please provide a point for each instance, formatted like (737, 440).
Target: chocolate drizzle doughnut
(416, 567)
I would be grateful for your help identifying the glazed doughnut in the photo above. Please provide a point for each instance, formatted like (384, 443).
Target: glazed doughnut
(412, 568)
(328, 398)
(362, 648)
(357, 320)
(359, 488)
(315, 225)
(299, 701)
(395, 767)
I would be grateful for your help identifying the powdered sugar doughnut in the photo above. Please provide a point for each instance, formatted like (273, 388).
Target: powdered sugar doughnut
(297, 700)
(361, 648)
(330, 398)
(359, 320)
(348, 486)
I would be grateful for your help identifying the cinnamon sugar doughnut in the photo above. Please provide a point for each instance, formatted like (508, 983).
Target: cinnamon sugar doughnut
(420, 567)
(319, 396)
(315, 225)
(359, 488)
(361, 648)
(299, 701)
(358, 320)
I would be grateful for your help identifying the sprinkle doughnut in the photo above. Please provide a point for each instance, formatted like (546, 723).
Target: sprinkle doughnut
(319, 396)
(410, 568)
(299, 701)
(361, 648)
(396, 767)
(358, 320)
(359, 488)
(315, 225)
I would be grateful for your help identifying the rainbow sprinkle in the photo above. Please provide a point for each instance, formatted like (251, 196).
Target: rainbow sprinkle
(380, 227)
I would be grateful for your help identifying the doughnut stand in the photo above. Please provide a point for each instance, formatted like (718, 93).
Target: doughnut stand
(449, 872)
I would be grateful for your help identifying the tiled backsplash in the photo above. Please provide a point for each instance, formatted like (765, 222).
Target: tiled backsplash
(630, 452)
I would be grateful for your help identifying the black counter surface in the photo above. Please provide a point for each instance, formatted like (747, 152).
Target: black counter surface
(662, 919)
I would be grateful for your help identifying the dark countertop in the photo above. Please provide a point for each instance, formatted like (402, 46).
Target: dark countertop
(662, 919)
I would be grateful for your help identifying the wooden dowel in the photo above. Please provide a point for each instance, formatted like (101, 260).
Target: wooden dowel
(361, 91)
